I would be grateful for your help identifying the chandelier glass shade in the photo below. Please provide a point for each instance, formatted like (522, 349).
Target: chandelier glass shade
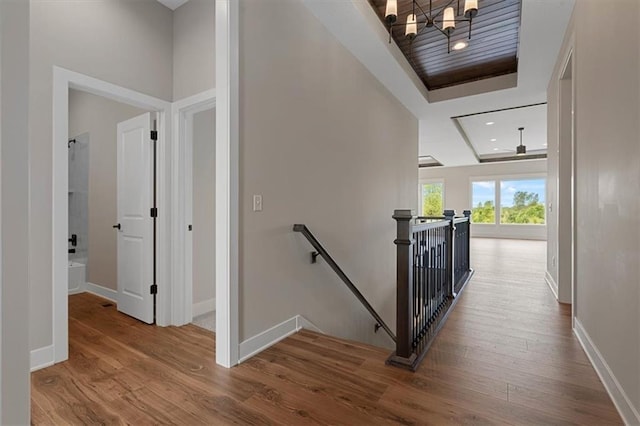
(422, 18)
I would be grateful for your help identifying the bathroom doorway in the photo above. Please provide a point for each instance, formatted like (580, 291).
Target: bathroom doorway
(111, 202)
(200, 245)
(90, 88)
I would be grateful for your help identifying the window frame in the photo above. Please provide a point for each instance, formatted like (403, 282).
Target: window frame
(496, 198)
(498, 179)
(544, 203)
(422, 182)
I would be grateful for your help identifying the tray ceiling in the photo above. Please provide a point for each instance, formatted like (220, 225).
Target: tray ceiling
(495, 134)
(491, 52)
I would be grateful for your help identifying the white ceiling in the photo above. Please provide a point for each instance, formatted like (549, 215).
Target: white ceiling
(543, 25)
(173, 4)
(505, 130)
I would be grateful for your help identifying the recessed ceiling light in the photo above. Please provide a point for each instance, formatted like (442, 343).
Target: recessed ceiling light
(544, 144)
(489, 123)
(493, 140)
(495, 149)
(460, 45)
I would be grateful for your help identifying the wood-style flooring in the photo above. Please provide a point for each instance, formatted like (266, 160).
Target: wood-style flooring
(505, 356)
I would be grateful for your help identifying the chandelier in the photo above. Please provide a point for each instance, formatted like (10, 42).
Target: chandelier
(418, 21)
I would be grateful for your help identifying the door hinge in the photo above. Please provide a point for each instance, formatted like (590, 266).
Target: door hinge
(154, 212)
(154, 135)
(154, 288)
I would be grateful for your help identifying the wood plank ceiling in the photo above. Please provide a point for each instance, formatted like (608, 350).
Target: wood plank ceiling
(492, 50)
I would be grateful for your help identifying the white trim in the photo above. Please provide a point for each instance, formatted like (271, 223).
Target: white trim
(182, 208)
(63, 80)
(628, 412)
(104, 292)
(41, 358)
(426, 181)
(204, 307)
(306, 324)
(270, 337)
(551, 283)
(227, 181)
(197, 99)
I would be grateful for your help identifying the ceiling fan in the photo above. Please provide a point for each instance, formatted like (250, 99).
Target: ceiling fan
(520, 149)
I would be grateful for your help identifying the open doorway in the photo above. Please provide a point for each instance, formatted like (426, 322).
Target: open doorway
(200, 133)
(195, 211)
(137, 123)
(566, 187)
(111, 202)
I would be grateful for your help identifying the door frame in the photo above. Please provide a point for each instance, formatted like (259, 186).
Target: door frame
(182, 166)
(566, 92)
(63, 80)
(227, 44)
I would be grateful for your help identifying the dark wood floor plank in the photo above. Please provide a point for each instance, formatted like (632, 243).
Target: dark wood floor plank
(506, 355)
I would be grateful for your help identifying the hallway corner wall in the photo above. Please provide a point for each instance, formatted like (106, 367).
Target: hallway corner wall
(607, 181)
(14, 202)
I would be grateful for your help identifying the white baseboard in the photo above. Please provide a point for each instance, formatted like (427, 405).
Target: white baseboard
(41, 358)
(305, 323)
(203, 307)
(551, 283)
(628, 412)
(270, 337)
(107, 293)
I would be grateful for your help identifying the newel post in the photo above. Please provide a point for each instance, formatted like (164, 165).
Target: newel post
(404, 287)
(451, 237)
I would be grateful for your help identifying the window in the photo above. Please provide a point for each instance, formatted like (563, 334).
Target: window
(483, 196)
(509, 201)
(432, 198)
(522, 201)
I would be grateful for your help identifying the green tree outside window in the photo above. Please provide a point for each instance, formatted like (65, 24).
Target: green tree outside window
(432, 199)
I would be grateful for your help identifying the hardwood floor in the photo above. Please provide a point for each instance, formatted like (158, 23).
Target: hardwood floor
(505, 356)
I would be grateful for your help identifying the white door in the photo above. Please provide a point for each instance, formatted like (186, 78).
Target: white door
(135, 233)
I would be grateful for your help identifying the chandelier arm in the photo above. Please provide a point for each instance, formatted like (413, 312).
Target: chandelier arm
(440, 21)
(421, 10)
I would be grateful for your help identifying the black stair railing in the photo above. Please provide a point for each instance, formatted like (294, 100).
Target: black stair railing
(432, 269)
(321, 251)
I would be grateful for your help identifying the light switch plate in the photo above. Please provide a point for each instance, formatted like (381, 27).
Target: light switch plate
(257, 203)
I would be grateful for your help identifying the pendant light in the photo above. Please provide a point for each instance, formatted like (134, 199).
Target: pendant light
(521, 149)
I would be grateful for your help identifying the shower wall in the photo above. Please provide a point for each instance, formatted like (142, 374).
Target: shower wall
(79, 196)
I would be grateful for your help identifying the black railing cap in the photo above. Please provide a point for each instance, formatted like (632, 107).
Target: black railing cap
(405, 214)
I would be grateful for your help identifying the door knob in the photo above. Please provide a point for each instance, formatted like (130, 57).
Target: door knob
(117, 226)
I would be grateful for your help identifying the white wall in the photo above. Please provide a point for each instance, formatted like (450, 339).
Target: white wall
(128, 43)
(99, 117)
(326, 145)
(14, 190)
(204, 231)
(607, 117)
(457, 192)
(194, 65)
